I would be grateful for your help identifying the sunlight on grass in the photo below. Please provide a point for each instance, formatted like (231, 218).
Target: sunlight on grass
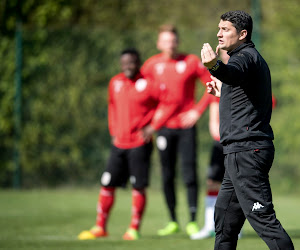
(51, 219)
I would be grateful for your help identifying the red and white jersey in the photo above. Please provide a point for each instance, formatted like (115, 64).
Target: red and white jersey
(131, 106)
(178, 77)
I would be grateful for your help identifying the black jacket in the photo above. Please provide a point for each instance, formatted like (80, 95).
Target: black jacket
(246, 100)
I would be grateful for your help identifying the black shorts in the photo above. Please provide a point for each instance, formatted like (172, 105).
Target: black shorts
(124, 164)
(174, 142)
(216, 169)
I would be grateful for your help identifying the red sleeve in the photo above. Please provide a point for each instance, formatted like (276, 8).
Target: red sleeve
(162, 114)
(166, 108)
(146, 69)
(204, 75)
(202, 72)
(204, 102)
(215, 99)
(111, 110)
(214, 121)
(274, 102)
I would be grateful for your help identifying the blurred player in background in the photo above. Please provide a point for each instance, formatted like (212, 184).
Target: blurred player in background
(177, 73)
(216, 168)
(244, 88)
(132, 103)
(215, 172)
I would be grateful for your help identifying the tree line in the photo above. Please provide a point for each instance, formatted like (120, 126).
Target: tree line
(70, 50)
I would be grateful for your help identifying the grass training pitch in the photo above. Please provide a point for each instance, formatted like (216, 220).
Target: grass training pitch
(52, 219)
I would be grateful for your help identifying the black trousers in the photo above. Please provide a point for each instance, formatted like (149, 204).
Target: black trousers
(216, 168)
(246, 193)
(172, 143)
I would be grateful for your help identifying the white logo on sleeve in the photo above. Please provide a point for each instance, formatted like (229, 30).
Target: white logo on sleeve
(117, 86)
(158, 114)
(161, 142)
(140, 85)
(180, 67)
(159, 68)
(256, 206)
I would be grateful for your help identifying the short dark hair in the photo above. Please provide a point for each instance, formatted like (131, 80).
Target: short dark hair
(168, 28)
(240, 20)
(132, 51)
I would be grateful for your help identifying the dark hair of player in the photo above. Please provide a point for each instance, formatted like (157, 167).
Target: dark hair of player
(131, 51)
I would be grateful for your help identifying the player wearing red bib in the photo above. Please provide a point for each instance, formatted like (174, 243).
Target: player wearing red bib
(132, 104)
(177, 73)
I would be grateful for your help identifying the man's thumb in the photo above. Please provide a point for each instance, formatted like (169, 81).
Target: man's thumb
(217, 49)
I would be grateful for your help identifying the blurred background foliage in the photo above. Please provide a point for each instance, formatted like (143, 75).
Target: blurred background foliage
(70, 50)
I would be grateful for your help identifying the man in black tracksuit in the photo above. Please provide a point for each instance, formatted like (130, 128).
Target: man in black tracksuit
(244, 87)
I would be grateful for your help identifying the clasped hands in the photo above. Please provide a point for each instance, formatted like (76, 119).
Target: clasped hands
(209, 60)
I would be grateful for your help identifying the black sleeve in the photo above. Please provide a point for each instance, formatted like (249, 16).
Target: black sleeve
(236, 72)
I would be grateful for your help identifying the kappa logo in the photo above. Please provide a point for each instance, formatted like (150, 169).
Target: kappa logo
(256, 206)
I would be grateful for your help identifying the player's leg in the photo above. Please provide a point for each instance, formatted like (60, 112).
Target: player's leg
(166, 142)
(208, 229)
(187, 151)
(229, 217)
(139, 168)
(115, 174)
(214, 179)
(256, 198)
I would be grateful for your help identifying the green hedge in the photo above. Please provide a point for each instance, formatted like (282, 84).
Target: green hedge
(71, 50)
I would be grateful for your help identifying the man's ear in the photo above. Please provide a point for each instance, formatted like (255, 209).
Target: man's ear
(243, 35)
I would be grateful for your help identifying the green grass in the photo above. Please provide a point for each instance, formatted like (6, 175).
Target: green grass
(51, 219)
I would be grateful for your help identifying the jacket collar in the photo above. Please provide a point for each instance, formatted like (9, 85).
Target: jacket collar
(243, 45)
